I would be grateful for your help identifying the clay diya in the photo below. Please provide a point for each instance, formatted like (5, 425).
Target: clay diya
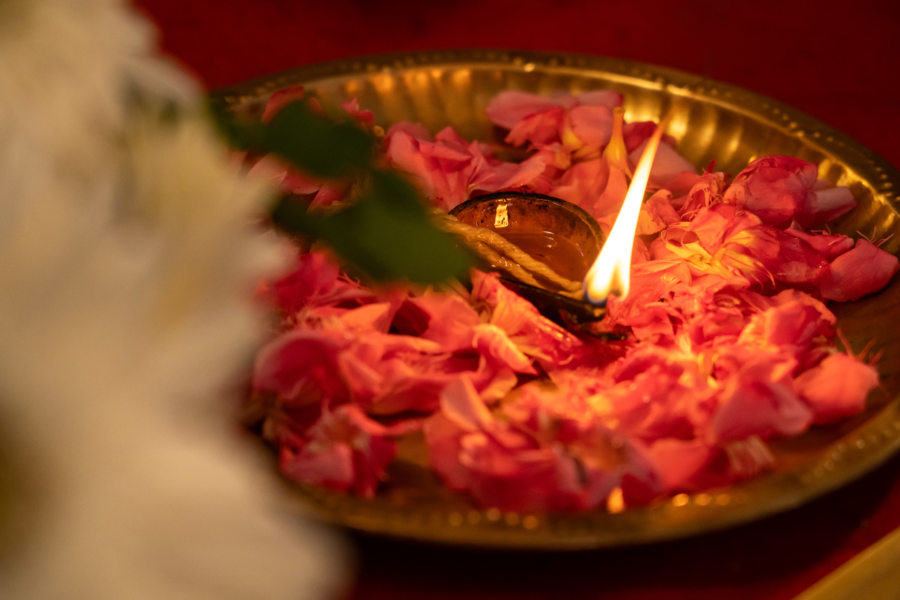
(542, 247)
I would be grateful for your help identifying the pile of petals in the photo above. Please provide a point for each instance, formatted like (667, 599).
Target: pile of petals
(725, 341)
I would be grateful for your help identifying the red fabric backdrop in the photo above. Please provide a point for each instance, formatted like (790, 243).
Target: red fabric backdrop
(838, 63)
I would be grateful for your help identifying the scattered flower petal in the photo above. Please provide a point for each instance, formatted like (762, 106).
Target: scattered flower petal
(837, 387)
(774, 188)
(343, 450)
(726, 342)
(858, 272)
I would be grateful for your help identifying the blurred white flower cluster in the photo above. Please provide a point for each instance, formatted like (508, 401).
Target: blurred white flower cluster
(127, 261)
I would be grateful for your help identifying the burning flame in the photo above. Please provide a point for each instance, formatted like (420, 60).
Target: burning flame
(611, 271)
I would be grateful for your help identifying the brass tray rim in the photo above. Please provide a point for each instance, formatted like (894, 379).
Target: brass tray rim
(865, 448)
(784, 117)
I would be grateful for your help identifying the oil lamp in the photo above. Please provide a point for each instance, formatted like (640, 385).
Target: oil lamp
(551, 251)
(541, 246)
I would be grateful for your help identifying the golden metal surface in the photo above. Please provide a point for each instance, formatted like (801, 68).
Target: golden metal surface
(711, 120)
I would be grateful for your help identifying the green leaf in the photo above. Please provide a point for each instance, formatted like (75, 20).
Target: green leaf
(239, 134)
(316, 145)
(292, 217)
(386, 233)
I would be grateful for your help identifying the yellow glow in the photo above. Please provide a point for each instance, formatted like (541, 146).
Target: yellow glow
(615, 502)
(384, 83)
(611, 271)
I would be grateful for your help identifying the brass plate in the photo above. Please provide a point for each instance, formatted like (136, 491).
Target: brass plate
(711, 120)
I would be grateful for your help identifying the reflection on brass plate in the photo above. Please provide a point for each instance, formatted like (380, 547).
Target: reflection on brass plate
(711, 120)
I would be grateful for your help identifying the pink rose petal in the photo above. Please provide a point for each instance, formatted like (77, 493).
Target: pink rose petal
(667, 163)
(824, 205)
(858, 272)
(773, 187)
(343, 450)
(837, 387)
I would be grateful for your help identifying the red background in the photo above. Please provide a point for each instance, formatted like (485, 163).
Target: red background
(836, 62)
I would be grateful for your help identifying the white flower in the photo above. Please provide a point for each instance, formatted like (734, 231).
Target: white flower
(127, 259)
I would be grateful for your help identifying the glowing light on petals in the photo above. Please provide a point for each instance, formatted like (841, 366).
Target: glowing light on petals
(611, 271)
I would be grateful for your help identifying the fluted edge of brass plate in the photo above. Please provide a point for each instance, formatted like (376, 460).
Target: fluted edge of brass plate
(711, 120)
